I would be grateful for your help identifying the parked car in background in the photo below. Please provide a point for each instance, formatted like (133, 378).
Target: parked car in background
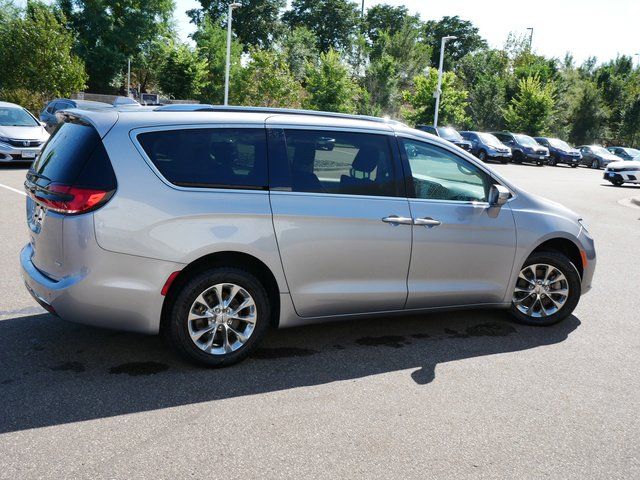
(486, 146)
(560, 151)
(524, 148)
(448, 133)
(21, 134)
(48, 113)
(624, 171)
(213, 224)
(625, 153)
(595, 156)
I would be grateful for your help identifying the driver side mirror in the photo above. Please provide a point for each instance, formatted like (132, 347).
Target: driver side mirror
(498, 195)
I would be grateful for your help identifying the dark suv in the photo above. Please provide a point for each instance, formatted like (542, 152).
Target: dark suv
(48, 113)
(560, 151)
(524, 148)
(448, 133)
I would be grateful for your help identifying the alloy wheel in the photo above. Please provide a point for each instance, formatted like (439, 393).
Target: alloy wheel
(541, 290)
(222, 318)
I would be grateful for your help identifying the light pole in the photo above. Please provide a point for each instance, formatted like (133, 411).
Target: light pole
(232, 6)
(530, 37)
(438, 91)
(638, 55)
(129, 77)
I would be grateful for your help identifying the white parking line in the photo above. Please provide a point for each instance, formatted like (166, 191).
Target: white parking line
(13, 189)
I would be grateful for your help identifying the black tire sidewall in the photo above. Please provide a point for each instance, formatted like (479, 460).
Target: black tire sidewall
(569, 270)
(178, 329)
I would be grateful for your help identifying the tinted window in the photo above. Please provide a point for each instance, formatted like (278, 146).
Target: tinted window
(75, 155)
(340, 162)
(503, 137)
(209, 157)
(440, 175)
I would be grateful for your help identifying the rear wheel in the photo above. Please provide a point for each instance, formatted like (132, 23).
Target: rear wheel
(517, 157)
(595, 164)
(482, 155)
(547, 290)
(552, 161)
(219, 316)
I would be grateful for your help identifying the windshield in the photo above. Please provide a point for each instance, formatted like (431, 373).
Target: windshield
(449, 133)
(556, 142)
(16, 117)
(526, 141)
(600, 151)
(489, 139)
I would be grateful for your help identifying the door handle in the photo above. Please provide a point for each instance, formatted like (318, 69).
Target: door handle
(396, 220)
(427, 222)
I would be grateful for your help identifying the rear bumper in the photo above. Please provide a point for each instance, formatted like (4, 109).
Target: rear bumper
(118, 291)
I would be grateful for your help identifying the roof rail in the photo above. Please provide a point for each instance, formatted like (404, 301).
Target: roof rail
(282, 111)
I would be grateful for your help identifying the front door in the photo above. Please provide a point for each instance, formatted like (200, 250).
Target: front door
(341, 219)
(463, 249)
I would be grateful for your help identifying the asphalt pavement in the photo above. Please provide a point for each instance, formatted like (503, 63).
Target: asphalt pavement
(448, 395)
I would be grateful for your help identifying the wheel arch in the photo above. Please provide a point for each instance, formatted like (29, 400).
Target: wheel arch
(242, 260)
(562, 245)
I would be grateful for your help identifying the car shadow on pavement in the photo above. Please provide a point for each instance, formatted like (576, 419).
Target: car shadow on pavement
(53, 372)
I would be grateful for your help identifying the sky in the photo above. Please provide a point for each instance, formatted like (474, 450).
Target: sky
(603, 29)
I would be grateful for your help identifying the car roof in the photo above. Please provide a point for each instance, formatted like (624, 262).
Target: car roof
(9, 104)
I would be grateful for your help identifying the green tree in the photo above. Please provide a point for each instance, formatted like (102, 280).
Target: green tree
(388, 19)
(453, 99)
(111, 31)
(530, 111)
(485, 75)
(256, 23)
(35, 50)
(183, 73)
(381, 83)
(211, 40)
(329, 86)
(588, 117)
(299, 47)
(268, 82)
(468, 39)
(334, 22)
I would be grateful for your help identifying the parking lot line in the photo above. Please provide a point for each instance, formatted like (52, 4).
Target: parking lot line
(13, 189)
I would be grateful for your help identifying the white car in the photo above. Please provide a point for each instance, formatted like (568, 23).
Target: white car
(21, 134)
(624, 171)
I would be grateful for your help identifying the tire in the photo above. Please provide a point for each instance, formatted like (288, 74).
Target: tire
(595, 164)
(517, 157)
(482, 156)
(206, 285)
(617, 183)
(536, 303)
(504, 162)
(552, 161)
(574, 165)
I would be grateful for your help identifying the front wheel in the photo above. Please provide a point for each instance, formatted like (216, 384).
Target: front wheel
(547, 290)
(574, 165)
(617, 183)
(482, 155)
(595, 164)
(219, 316)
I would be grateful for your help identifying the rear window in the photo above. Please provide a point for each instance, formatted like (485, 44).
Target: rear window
(209, 157)
(75, 155)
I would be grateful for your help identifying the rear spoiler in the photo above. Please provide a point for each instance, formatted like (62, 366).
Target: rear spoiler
(102, 119)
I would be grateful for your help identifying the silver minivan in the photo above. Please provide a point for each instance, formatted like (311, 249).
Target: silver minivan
(211, 224)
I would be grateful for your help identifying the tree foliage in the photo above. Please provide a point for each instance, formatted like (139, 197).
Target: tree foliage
(183, 73)
(531, 109)
(453, 99)
(468, 39)
(111, 31)
(333, 22)
(329, 85)
(35, 51)
(256, 23)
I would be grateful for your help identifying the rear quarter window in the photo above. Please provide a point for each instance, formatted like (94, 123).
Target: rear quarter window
(209, 157)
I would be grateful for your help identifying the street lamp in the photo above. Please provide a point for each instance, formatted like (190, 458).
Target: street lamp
(530, 37)
(438, 91)
(232, 6)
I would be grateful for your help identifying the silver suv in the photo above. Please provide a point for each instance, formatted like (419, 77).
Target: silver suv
(211, 224)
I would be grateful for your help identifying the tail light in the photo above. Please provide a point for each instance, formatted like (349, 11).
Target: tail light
(70, 200)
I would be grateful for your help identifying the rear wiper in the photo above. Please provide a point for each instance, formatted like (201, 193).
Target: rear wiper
(37, 175)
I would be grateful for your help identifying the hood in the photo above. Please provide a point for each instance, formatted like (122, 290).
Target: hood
(549, 205)
(625, 164)
(611, 157)
(24, 133)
